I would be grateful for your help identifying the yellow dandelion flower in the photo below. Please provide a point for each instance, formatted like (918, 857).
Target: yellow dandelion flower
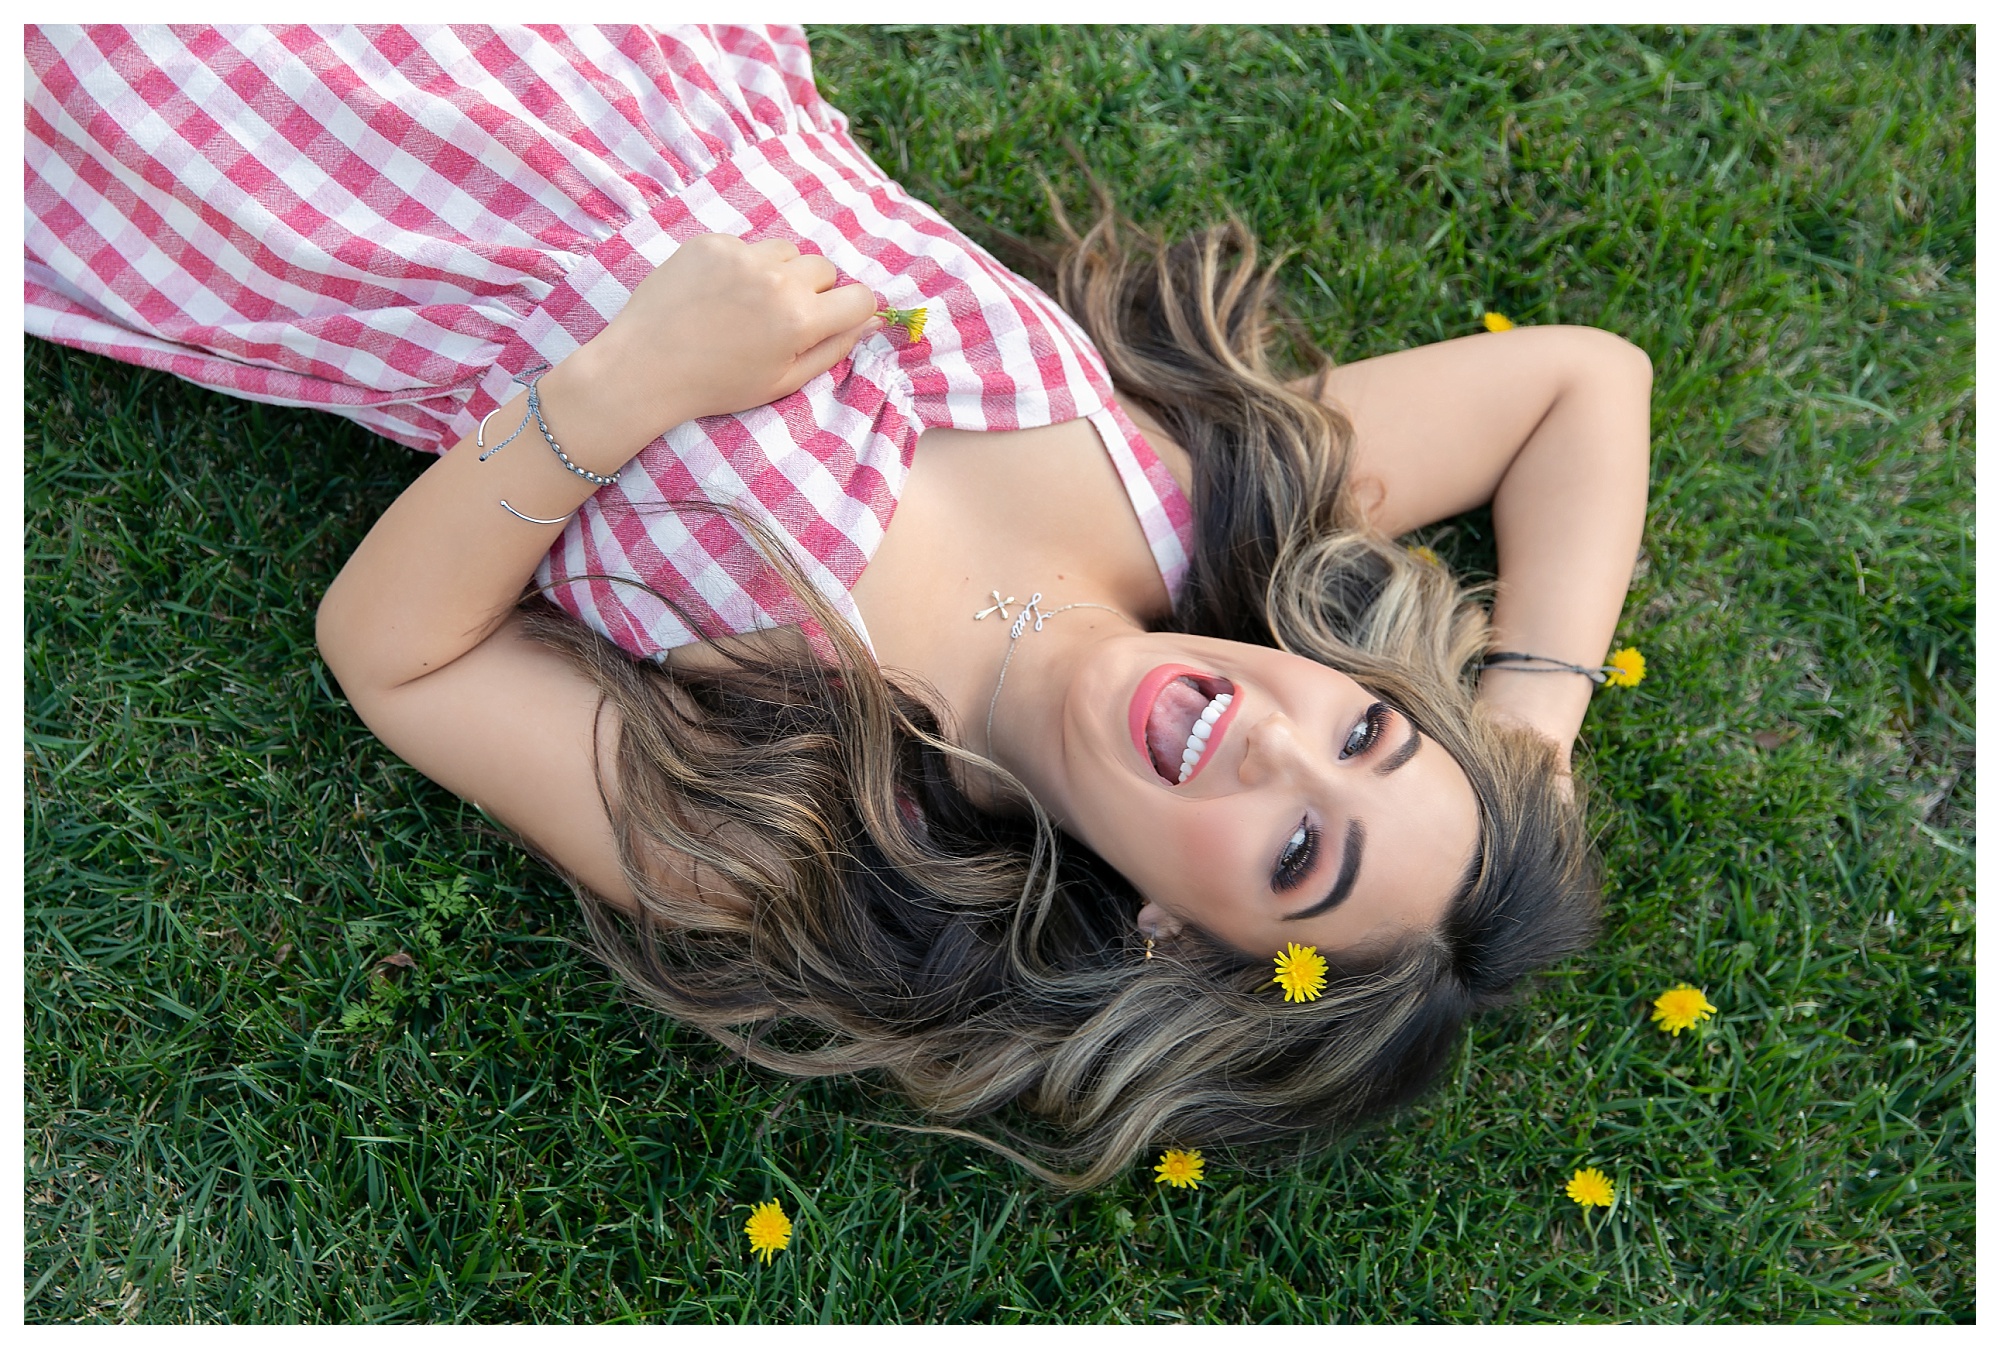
(1628, 667)
(1423, 554)
(1301, 972)
(1590, 1188)
(1497, 323)
(1182, 1170)
(911, 321)
(1681, 1008)
(769, 1230)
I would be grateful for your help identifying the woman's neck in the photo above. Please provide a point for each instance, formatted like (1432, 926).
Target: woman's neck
(1021, 511)
(1022, 725)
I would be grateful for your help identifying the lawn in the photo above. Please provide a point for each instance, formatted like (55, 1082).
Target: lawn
(305, 1041)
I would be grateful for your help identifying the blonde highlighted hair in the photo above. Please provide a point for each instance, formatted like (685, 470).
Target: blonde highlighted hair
(839, 906)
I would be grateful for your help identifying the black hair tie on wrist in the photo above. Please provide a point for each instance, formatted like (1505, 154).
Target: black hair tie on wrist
(1531, 664)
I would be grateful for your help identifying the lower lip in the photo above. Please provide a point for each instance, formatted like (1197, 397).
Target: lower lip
(1142, 707)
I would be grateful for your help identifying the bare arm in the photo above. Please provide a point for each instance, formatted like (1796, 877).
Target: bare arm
(419, 627)
(1551, 426)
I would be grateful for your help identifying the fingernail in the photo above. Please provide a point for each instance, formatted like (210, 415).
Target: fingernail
(873, 326)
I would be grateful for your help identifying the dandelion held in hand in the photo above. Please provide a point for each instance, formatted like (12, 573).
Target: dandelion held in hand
(769, 1230)
(1182, 1170)
(911, 321)
(1681, 1008)
(1301, 972)
(1628, 667)
(1590, 1188)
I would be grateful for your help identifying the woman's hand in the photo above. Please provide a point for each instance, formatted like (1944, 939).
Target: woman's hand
(419, 627)
(721, 326)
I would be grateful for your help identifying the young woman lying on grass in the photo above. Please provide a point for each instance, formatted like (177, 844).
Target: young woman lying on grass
(950, 694)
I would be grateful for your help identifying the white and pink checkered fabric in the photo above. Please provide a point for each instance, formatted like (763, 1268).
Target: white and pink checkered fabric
(391, 223)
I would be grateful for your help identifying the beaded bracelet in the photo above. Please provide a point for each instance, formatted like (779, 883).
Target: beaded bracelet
(535, 410)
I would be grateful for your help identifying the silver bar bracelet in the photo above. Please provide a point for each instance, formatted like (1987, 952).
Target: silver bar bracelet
(533, 520)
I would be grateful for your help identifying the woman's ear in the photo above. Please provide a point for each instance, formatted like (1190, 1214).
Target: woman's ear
(1155, 922)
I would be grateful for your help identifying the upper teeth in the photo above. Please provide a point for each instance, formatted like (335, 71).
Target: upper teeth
(1204, 726)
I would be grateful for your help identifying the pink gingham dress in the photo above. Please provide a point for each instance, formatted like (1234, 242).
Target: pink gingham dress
(391, 223)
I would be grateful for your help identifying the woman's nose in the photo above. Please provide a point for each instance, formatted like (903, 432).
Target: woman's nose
(1272, 751)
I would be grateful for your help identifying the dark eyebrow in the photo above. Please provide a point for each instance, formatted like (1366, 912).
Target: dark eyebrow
(1404, 752)
(1343, 884)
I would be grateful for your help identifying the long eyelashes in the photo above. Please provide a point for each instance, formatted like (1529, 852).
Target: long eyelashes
(1368, 732)
(1296, 858)
(1295, 862)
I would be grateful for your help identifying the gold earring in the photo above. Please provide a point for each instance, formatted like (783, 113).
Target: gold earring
(1149, 948)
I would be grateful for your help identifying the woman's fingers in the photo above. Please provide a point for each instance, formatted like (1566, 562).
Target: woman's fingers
(815, 270)
(795, 320)
(824, 355)
(848, 306)
(773, 250)
(836, 312)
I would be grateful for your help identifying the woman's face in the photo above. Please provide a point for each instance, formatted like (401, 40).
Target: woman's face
(1310, 811)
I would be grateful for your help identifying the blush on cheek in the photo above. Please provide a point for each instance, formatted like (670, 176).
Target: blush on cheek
(1192, 859)
(1205, 848)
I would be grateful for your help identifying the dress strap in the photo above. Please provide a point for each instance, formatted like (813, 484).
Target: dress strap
(1163, 509)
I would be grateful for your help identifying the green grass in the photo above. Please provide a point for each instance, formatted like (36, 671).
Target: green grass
(236, 1110)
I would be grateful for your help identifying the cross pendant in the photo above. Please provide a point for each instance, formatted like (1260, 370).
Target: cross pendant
(998, 606)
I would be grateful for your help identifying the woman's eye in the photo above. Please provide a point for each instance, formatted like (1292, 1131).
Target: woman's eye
(1366, 731)
(1296, 861)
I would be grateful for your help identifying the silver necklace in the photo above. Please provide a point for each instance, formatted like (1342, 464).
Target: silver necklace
(1031, 610)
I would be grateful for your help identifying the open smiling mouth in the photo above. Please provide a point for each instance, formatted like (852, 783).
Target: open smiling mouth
(1185, 722)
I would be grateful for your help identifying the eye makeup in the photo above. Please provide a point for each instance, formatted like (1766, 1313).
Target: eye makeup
(1300, 854)
(1295, 862)
(1368, 730)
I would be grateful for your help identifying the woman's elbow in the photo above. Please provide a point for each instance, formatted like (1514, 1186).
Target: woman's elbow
(338, 638)
(1635, 361)
(1618, 374)
(1602, 354)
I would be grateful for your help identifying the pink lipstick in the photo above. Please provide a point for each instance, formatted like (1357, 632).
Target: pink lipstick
(1178, 717)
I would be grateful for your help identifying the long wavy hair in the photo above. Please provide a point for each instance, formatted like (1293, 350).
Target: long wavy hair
(818, 894)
